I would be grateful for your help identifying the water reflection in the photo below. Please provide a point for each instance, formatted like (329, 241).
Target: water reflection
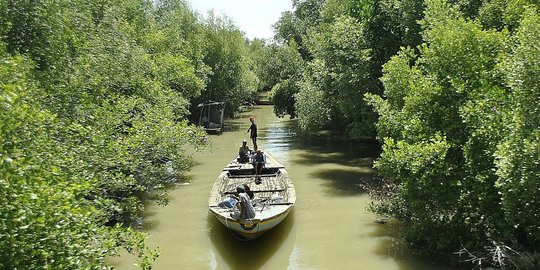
(343, 182)
(278, 136)
(232, 125)
(250, 254)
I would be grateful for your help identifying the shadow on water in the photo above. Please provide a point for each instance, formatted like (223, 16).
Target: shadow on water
(392, 245)
(325, 147)
(320, 156)
(249, 254)
(343, 182)
(150, 219)
(342, 163)
(326, 142)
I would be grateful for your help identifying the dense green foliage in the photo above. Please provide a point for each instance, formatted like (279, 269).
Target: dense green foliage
(278, 69)
(227, 54)
(285, 67)
(459, 121)
(345, 44)
(46, 218)
(95, 96)
(93, 107)
(455, 87)
(293, 26)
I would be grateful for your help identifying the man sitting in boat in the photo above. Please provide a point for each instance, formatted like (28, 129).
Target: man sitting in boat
(244, 204)
(243, 152)
(259, 159)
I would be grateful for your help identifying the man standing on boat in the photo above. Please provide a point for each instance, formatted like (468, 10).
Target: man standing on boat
(253, 134)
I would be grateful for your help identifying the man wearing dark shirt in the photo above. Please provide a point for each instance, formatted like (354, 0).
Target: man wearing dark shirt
(253, 134)
(259, 159)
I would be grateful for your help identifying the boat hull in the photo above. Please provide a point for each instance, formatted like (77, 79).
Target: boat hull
(273, 197)
(252, 229)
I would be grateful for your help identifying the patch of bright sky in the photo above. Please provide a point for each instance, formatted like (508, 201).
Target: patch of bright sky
(254, 17)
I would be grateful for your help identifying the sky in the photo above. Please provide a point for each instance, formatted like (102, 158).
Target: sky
(254, 17)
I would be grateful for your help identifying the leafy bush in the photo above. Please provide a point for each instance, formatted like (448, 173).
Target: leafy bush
(92, 124)
(457, 120)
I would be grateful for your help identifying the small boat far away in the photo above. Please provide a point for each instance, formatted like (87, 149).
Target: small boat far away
(211, 116)
(273, 198)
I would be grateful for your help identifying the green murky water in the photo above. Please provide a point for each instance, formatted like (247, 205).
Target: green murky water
(329, 227)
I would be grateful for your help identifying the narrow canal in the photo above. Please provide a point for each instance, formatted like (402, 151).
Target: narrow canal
(329, 227)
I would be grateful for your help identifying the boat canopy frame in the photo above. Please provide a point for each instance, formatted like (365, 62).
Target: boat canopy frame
(211, 116)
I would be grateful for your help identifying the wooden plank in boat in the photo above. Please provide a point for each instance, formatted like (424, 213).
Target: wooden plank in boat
(239, 167)
(251, 175)
(277, 203)
(255, 191)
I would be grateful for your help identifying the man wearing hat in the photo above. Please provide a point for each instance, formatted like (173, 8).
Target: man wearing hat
(246, 208)
(243, 152)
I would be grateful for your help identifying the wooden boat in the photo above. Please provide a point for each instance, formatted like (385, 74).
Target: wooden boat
(273, 198)
(211, 116)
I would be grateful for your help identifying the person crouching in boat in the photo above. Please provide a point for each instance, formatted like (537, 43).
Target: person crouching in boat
(243, 152)
(259, 159)
(244, 204)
